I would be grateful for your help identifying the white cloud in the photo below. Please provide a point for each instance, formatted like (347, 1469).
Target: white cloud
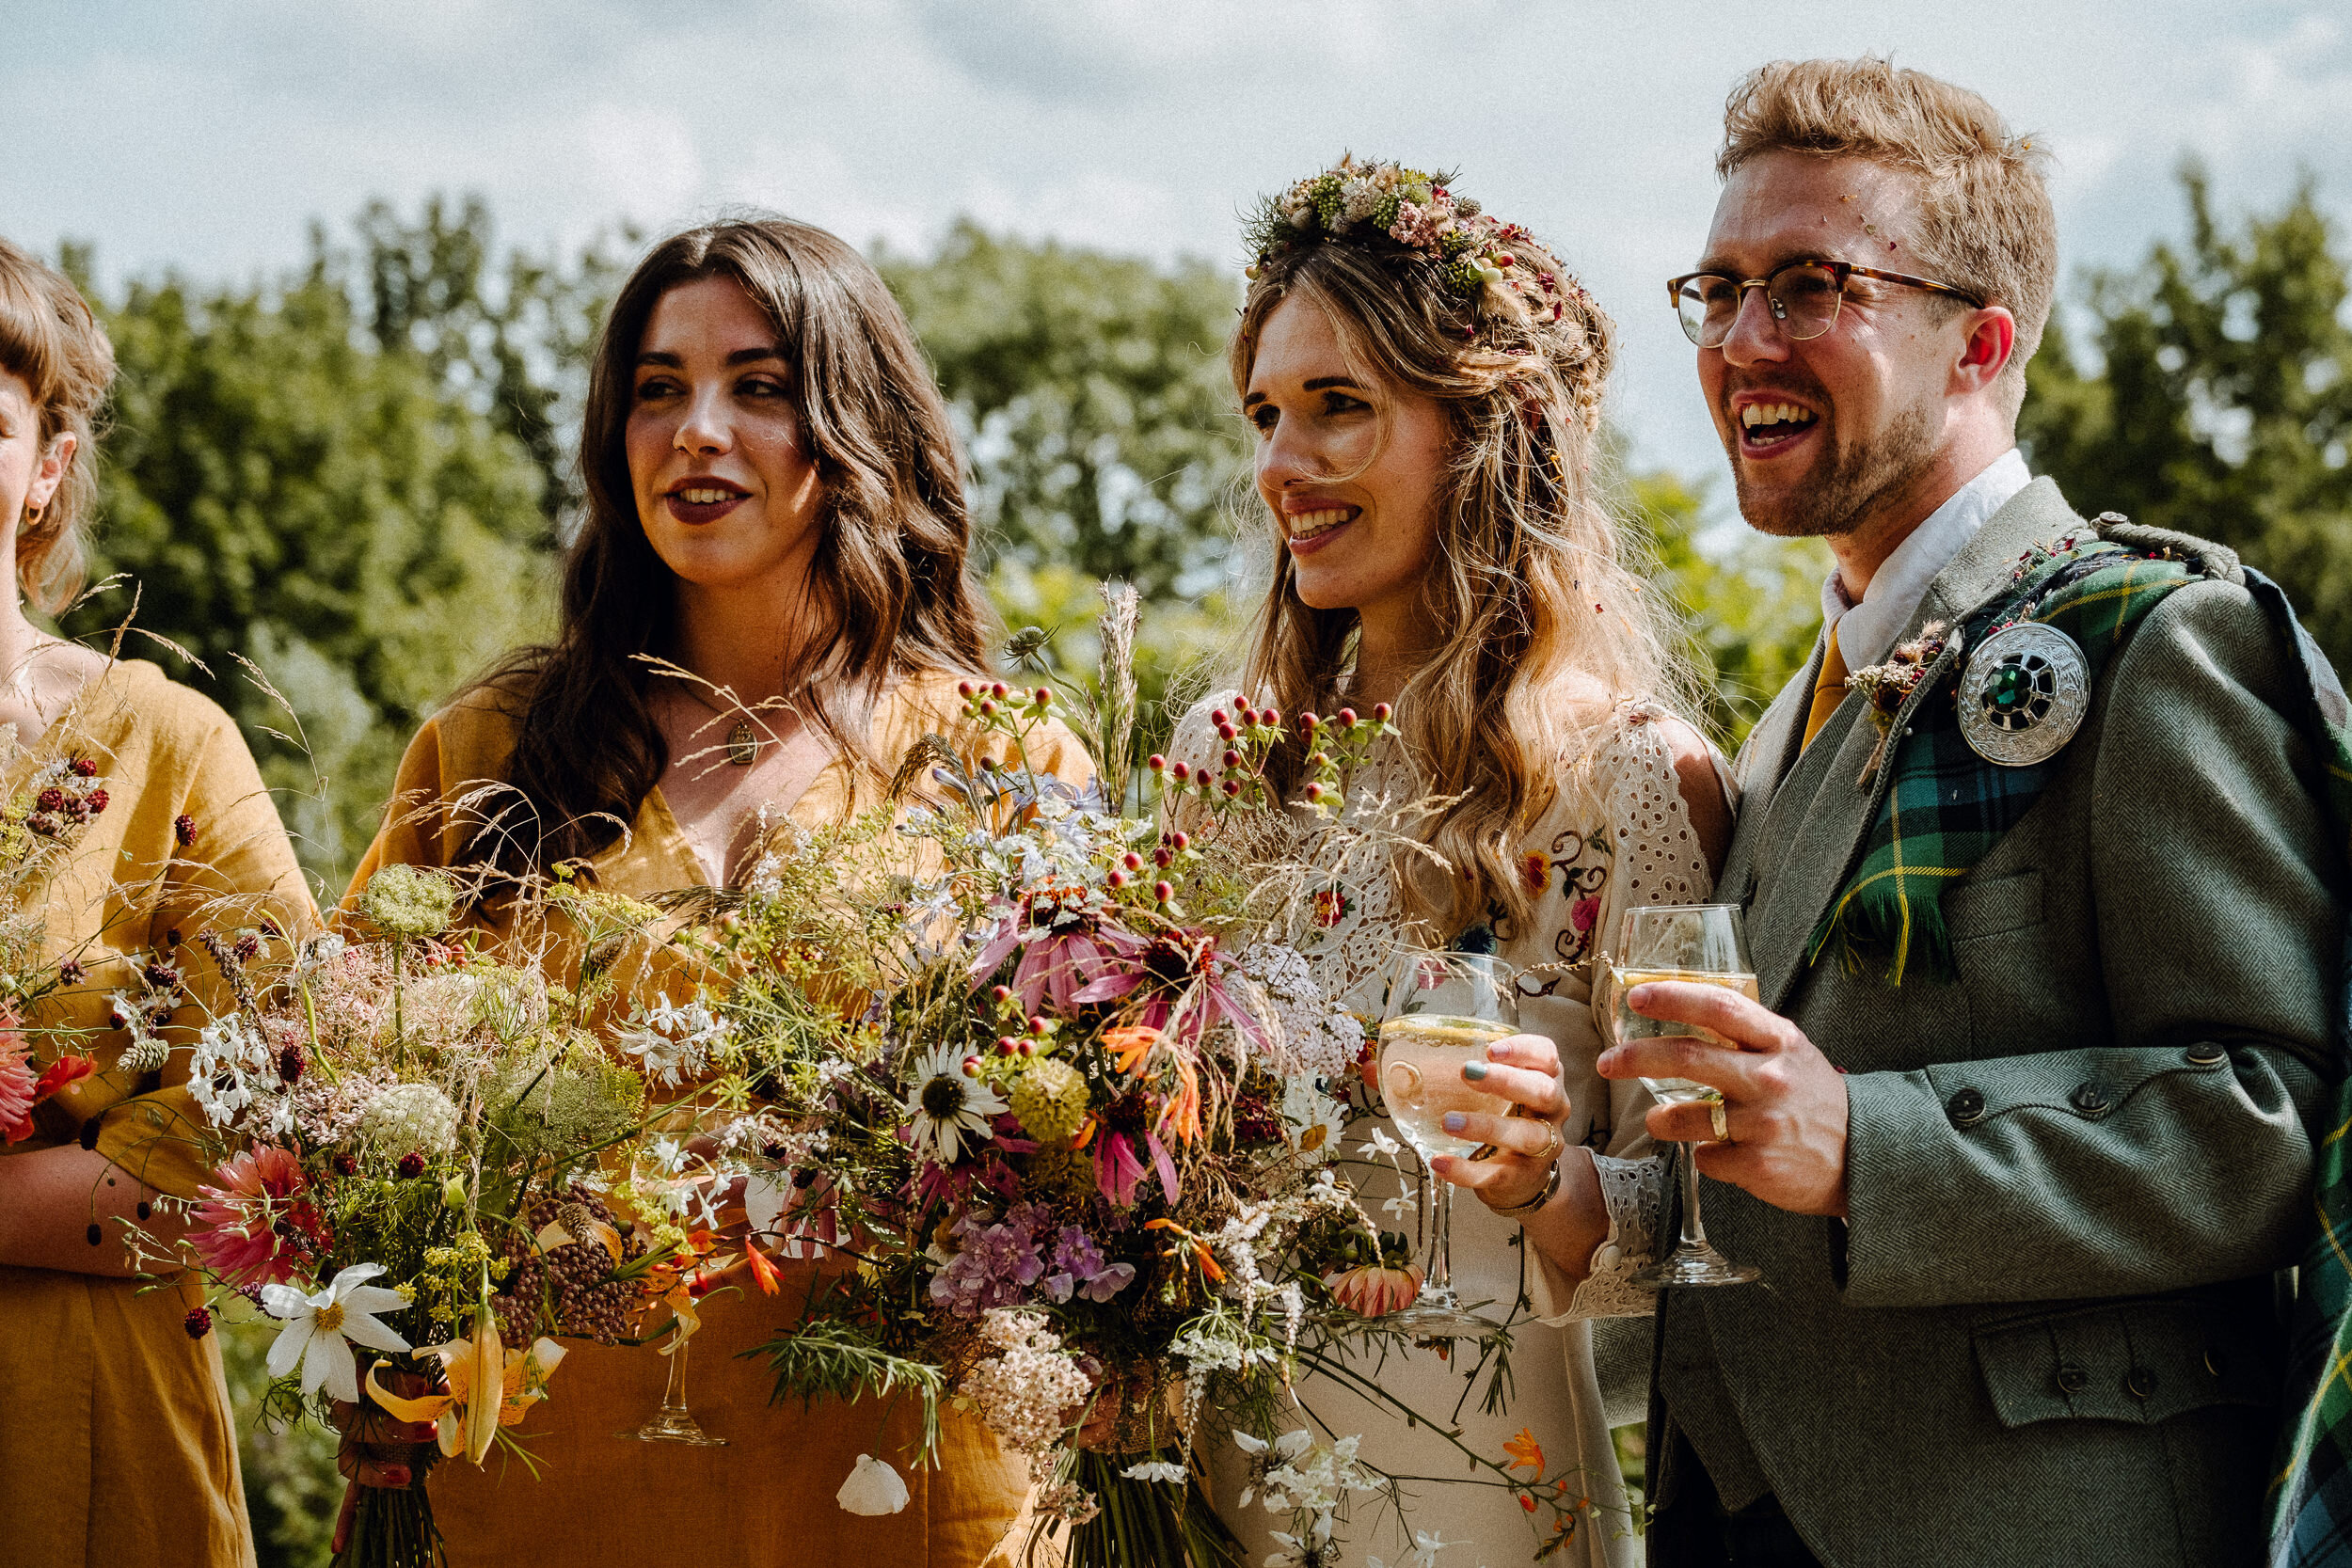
(209, 138)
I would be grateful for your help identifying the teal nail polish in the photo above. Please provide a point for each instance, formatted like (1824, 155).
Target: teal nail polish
(1473, 1071)
(1453, 1121)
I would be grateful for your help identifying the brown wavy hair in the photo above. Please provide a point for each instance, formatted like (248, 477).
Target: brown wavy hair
(1543, 622)
(49, 338)
(888, 580)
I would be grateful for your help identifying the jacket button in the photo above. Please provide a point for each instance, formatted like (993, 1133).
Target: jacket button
(2071, 1379)
(2090, 1099)
(1966, 1108)
(2207, 1054)
(2139, 1383)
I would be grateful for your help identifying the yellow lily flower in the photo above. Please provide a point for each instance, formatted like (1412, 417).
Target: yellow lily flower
(464, 1426)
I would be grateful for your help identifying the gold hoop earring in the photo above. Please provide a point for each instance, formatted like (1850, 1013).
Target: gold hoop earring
(33, 515)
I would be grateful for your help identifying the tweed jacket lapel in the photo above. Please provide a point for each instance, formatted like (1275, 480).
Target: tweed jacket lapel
(1821, 812)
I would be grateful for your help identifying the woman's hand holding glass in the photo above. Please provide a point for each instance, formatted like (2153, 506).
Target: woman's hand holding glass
(1524, 1143)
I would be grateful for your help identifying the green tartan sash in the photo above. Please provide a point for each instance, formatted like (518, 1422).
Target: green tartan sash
(1944, 807)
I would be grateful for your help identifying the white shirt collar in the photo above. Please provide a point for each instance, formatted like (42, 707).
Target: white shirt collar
(1866, 632)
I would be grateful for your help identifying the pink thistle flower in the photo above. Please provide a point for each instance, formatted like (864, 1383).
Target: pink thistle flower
(240, 1226)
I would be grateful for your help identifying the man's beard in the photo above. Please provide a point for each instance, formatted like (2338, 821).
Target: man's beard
(1857, 481)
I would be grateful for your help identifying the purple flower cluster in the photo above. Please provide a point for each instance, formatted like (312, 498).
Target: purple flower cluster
(1080, 1267)
(995, 1265)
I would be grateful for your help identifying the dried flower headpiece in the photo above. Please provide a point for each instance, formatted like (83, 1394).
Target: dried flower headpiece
(1388, 207)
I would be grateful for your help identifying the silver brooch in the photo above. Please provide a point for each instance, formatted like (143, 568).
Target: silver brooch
(2022, 694)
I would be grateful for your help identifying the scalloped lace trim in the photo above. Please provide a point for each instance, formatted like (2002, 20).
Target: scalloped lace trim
(1635, 1192)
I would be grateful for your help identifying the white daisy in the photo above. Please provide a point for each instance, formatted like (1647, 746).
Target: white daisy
(317, 1327)
(947, 1106)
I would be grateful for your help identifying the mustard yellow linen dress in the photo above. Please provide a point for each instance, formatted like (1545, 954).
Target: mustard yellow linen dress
(768, 1498)
(117, 1444)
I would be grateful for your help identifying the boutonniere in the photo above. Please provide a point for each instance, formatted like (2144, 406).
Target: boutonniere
(1886, 687)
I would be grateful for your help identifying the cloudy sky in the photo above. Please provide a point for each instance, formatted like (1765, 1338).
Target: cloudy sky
(206, 137)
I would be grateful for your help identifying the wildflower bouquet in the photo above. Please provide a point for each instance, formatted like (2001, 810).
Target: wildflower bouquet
(1061, 1106)
(427, 1172)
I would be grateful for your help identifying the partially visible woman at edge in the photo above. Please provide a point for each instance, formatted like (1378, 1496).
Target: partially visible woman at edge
(1425, 422)
(118, 1445)
(774, 508)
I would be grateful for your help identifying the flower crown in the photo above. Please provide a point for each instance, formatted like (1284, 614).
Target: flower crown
(1386, 205)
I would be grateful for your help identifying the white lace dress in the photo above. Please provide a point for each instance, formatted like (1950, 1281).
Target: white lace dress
(1616, 838)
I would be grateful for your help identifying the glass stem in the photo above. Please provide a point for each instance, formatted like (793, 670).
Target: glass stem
(1442, 1241)
(1694, 1233)
(674, 1395)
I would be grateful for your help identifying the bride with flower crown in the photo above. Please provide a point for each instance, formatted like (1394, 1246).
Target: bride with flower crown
(1424, 384)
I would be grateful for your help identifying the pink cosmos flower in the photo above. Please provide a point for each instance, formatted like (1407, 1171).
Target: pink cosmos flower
(257, 1228)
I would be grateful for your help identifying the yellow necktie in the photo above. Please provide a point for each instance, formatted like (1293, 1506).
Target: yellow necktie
(1829, 690)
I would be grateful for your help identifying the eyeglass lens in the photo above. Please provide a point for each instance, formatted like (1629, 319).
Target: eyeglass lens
(1803, 301)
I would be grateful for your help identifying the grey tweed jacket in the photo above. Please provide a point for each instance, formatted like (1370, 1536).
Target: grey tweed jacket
(2048, 1332)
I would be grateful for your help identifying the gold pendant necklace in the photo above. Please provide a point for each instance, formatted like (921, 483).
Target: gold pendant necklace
(742, 740)
(743, 745)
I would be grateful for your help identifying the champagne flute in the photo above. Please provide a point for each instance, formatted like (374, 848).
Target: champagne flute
(1701, 944)
(674, 1422)
(1444, 1009)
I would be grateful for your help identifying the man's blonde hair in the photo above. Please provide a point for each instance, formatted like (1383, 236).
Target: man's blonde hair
(1985, 222)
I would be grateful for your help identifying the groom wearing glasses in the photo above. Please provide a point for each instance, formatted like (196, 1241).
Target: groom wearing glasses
(2044, 903)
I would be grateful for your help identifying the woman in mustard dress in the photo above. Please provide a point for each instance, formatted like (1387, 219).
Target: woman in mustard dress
(765, 609)
(118, 1445)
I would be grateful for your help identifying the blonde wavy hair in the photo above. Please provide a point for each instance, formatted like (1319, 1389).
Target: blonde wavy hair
(1545, 624)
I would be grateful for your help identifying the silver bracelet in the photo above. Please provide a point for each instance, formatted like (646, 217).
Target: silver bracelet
(1551, 1189)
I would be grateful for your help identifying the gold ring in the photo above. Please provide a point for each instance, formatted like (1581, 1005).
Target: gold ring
(1559, 1145)
(1719, 1120)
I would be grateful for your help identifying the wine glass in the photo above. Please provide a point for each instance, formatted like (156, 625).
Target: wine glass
(1702, 944)
(674, 1422)
(1444, 1009)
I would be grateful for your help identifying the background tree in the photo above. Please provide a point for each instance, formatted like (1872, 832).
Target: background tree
(2212, 394)
(351, 477)
(1092, 394)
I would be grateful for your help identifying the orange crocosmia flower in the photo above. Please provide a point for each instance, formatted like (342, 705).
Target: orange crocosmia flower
(1181, 1111)
(770, 1278)
(1130, 1044)
(1527, 1503)
(1526, 1453)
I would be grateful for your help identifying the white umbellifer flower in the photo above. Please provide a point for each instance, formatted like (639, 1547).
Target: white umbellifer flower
(947, 1107)
(411, 1119)
(872, 1490)
(1325, 1039)
(1023, 1390)
(317, 1329)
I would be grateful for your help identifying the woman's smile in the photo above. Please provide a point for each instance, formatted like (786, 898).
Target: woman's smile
(1315, 523)
(703, 499)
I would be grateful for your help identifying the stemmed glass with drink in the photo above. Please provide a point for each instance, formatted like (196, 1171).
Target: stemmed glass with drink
(1444, 1009)
(1697, 944)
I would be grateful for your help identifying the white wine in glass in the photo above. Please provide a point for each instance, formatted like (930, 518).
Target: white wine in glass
(1694, 945)
(1444, 1009)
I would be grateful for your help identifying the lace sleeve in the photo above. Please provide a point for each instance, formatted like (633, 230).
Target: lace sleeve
(1657, 852)
(1195, 740)
(1635, 1192)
